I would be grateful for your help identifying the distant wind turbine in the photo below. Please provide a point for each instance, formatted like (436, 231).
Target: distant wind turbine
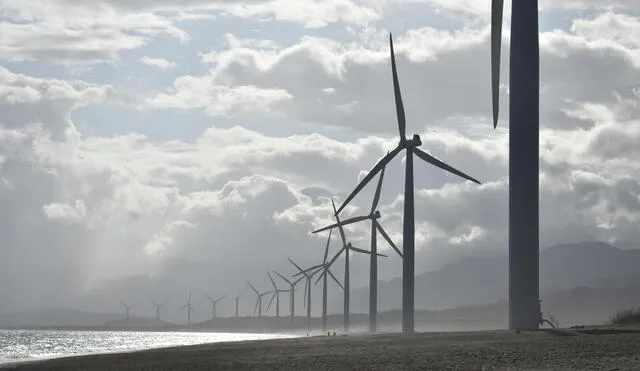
(276, 296)
(325, 270)
(259, 295)
(126, 309)
(347, 247)
(408, 240)
(157, 308)
(524, 155)
(214, 302)
(308, 274)
(292, 291)
(373, 215)
(237, 300)
(189, 308)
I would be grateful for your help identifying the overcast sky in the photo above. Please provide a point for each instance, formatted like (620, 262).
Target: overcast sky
(141, 138)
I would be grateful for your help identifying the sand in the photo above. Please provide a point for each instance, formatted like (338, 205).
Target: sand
(482, 350)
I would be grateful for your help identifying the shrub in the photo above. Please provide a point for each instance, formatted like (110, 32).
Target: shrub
(626, 317)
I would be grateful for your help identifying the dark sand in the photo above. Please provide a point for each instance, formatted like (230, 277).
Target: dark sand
(483, 350)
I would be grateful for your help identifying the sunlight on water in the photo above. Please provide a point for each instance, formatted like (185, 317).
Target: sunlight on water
(28, 345)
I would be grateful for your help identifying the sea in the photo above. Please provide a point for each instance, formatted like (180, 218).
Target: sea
(33, 345)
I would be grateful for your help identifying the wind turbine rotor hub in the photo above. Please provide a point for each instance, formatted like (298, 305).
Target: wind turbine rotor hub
(413, 142)
(376, 214)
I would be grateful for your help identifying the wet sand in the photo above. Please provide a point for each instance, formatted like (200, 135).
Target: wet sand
(482, 350)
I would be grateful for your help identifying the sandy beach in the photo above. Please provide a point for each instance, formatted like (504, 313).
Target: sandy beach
(482, 350)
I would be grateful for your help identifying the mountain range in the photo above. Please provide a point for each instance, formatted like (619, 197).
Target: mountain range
(580, 283)
(484, 280)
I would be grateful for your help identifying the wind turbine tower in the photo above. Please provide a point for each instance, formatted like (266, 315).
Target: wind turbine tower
(408, 229)
(259, 295)
(189, 308)
(308, 274)
(347, 247)
(214, 303)
(157, 308)
(373, 215)
(524, 155)
(126, 310)
(292, 291)
(276, 296)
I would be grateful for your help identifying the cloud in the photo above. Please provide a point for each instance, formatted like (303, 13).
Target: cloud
(160, 63)
(95, 217)
(81, 32)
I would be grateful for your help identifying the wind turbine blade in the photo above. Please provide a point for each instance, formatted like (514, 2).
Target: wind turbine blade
(255, 309)
(335, 279)
(295, 265)
(364, 251)
(271, 301)
(335, 214)
(434, 161)
(396, 92)
(311, 274)
(335, 257)
(386, 237)
(306, 284)
(208, 297)
(298, 280)
(220, 298)
(281, 276)
(320, 277)
(497, 7)
(272, 282)
(326, 249)
(376, 197)
(253, 288)
(306, 271)
(378, 167)
(343, 223)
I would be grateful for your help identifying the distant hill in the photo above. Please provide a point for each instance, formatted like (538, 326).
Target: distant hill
(484, 280)
(577, 306)
(57, 317)
(51, 317)
(138, 323)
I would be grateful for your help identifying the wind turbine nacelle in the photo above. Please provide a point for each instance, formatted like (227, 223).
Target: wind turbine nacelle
(413, 142)
(376, 214)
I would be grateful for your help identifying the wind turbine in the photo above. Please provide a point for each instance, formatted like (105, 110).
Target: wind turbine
(276, 295)
(189, 308)
(347, 248)
(292, 290)
(408, 240)
(325, 270)
(258, 306)
(308, 274)
(126, 309)
(213, 304)
(524, 155)
(237, 300)
(373, 215)
(157, 308)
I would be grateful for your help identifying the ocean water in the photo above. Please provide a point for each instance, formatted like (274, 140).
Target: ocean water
(31, 345)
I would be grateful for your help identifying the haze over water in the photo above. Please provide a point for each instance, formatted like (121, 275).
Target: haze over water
(31, 345)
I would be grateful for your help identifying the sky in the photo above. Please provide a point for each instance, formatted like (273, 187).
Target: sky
(194, 144)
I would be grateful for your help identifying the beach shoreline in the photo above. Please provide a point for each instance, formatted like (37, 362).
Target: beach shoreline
(498, 349)
(35, 356)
